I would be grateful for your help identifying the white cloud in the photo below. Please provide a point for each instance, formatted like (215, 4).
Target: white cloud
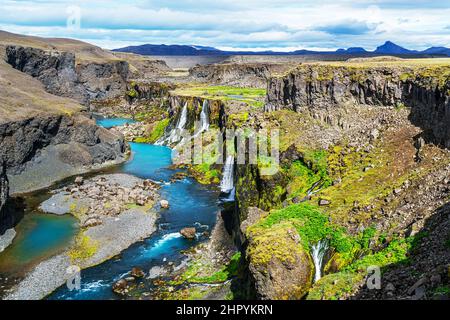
(237, 24)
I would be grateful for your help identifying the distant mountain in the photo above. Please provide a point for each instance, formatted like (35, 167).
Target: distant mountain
(352, 50)
(170, 50)
(437, 50)
(388, 48)
(391, 48)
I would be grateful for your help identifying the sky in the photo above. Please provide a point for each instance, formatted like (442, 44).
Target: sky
(281, 25)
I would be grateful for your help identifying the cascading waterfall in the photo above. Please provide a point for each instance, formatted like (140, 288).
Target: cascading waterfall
(227, 184)
(318, 252)
(204, 117)
(175, 134)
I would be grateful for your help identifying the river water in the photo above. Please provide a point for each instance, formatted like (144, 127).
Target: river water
(191, 204)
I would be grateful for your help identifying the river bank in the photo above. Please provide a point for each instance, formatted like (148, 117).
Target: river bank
(101, 236)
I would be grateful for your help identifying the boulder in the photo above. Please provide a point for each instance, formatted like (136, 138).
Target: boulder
(120, 287)
(164, 204)
(79, 181)
(137, 272)
(188, 233)
(281, 269)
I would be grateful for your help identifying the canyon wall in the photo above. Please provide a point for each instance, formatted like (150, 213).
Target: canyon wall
(236, 74)
(4, 190)
(63, 76)
(321, 87)
(41, 150)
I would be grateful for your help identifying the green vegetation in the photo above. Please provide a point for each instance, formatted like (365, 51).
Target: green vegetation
(303, 174)
(238, 119)
(194, 273)
(442, 290)
(205, 174)
(311, 224)
(251, 96)
(83, 249)
(157, 132)
(337, 285)
(132, 93)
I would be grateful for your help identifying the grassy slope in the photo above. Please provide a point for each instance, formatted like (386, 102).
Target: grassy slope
(22, 97)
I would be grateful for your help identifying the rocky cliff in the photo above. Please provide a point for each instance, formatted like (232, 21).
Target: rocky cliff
(43, 149)
(426, 90)
(63, 76)
(238, 74)
(4, 190)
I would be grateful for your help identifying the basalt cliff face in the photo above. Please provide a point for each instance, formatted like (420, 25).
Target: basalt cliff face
(62, 76)
(4, 190)
(238, 74)
(322, 87)
(43, 149)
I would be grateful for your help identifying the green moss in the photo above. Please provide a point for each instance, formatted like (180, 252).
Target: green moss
(158, 130)
(83, 249)
(274, 242)
(156, 133)
(334, 286)
(311, 224)
(337, 285)
(132, 93)
(193, 273)
(238, 119)
(251, 96)
(442, 290)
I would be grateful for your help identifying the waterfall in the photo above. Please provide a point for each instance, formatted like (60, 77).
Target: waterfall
(204, 117)
(227, 185)
(175, 134)
(318, 253)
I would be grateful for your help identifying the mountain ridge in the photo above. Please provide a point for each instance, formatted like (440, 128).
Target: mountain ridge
(388, 47)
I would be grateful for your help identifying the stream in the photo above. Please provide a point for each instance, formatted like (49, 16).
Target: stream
(191, 204)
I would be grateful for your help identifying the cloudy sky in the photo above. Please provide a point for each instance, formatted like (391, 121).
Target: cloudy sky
(235, 24)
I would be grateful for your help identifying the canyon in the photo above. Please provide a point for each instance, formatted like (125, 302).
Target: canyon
(363, 178)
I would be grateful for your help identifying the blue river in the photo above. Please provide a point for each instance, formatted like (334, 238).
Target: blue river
(191, 204)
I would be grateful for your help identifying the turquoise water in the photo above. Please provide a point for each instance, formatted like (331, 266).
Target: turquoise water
(110, 123)
(191, 204)
(38, 236)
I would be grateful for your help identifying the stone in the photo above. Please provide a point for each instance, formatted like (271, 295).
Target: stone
(164, 204)
(418, 284)
(390, 287)
(137, 272)
(92, 222)
(79, 181)
(324, 202)
(188, 233)
(436, 280)
(120, 286)
(155, 272)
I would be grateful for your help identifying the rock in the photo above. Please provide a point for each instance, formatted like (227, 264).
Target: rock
(155, 272)
(390, 287)
(92, 222)
(436, 280)
(283, 275)
(164, 204)
(120, 286)
(188, 233)
(137, 272)
(374, 134)
(418, 284)
(324, 202)
(79, 181)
